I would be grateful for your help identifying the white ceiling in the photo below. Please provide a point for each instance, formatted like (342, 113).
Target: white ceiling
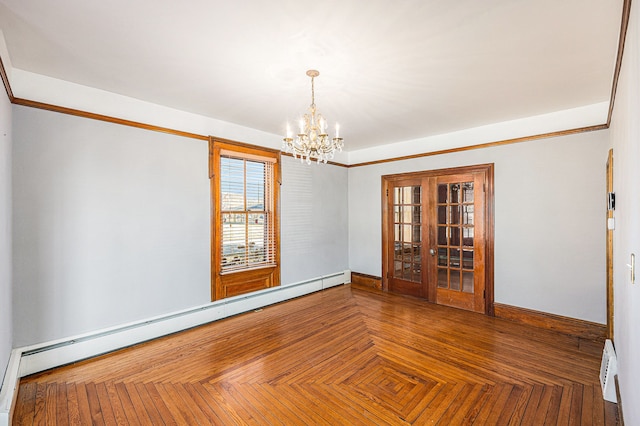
(389, 70)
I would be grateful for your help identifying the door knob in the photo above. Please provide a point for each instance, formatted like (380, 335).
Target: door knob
(432, 252)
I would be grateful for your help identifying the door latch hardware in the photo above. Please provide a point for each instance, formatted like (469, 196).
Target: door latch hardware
(632, 268)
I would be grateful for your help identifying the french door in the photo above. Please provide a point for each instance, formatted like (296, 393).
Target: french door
(437, 236)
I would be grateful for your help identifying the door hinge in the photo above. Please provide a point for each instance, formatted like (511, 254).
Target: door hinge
(387, 192)
(484, 294)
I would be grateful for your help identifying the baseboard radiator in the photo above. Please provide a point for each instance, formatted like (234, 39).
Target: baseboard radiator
(74, 348)
(608, 371)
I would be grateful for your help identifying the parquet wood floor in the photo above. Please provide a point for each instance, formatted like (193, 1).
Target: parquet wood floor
(343, 356)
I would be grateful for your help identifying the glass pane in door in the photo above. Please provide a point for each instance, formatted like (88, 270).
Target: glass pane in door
(454, 192)
(442, 193)
(442, 235)
(442, 257)
(467, 192)
(407, 216)
(454, 280)
(467, 282)
(443, 279)
(455, 236)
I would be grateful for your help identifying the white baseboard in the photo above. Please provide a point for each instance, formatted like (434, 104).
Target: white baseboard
(44, 356)
(9, 390)
(337, 279)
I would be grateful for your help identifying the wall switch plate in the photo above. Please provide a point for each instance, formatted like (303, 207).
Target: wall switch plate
(611, 223)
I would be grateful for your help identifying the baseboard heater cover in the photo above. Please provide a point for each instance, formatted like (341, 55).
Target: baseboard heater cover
(64, 351)
(608, 371)
(9, 388)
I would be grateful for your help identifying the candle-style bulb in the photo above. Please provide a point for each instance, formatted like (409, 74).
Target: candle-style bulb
(337, 130)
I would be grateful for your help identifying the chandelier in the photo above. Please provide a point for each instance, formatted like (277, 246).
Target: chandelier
(312, 142)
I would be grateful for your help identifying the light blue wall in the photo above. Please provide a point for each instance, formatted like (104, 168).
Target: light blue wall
(112, 224)
(314, 237)
(6, 329)
(625, 140)
(549, 229)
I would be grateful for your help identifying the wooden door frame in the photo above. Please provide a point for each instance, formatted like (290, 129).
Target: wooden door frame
(488, 170)
(609, 256)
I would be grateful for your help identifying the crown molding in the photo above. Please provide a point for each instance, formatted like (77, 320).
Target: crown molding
(624, 24)
(486, 145)
(5, 81)
(109, 119)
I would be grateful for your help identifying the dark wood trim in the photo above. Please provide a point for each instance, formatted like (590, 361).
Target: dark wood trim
(107, 118)
(80, 113)
(385, 231)
(561, 324)
(624, 24)
(5, 81)
(609, 252)
(486, 145)
(436, 172)
(489, 241)
(619, 404)
(364, 280)
(243, 146)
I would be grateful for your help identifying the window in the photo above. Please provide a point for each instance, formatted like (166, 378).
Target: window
(245, 224)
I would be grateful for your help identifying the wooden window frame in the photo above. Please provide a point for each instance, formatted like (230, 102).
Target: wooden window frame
(233, 283)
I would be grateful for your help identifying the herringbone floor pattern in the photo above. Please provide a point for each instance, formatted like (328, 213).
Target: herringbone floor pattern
(343, 356)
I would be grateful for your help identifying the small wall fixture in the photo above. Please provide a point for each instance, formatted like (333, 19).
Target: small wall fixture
(611, 201)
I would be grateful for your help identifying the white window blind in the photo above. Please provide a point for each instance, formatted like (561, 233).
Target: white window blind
(246, 198)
